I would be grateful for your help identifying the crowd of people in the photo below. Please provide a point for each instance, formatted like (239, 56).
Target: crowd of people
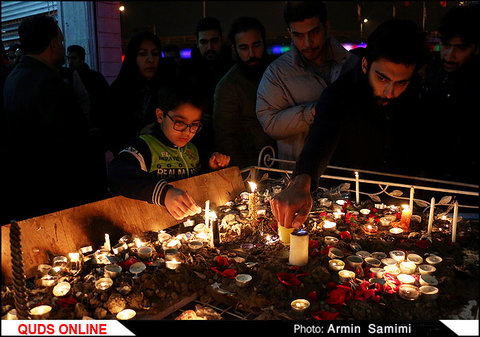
(393, 106)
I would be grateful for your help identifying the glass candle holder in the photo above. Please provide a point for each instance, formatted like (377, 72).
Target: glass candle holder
(335, 253)
(300, 305)
(112, 270)
(406, 278)
(408, 292)
(429, 292)
(373, 262)
(346, 275)
(378, 255)
(336, 265)
(363, 254)
(242, 280)
(392, 269)
(61, 289)
(103, 284)
(126, 314)
(397, 255)
(433, 259)
(426, 269)
(354, 261)
(388, 261)
(407, 267)
(331, 241)
(40, 312)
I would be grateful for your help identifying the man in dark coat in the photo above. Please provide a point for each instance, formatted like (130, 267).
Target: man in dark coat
(238, 132)
(48, 163)
(365, 120)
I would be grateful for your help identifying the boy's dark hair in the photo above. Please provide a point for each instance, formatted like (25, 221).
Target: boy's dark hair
(397, 40)
(79, 50)
(178, 93)
(208, 23)
(242, 24)
(461, 21)
(36, 33)
(300, 10)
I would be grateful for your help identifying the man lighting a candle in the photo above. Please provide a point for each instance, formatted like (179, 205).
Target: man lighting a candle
(362, 120)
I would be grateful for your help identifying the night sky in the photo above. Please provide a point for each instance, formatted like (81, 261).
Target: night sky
(178, 18)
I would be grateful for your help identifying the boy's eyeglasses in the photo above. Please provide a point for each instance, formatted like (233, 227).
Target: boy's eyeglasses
(181, 126)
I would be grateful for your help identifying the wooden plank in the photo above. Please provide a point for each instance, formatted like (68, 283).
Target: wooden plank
(65, 231)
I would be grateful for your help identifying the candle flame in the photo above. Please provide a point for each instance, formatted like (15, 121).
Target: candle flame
(74, 256)
(138, 242)
(253, 186)
(406, 208)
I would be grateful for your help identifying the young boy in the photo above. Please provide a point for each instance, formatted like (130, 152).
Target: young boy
(142, 169)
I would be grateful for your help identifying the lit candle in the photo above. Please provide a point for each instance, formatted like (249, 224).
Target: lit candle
(48, 280)
(407, 267)
(336, 265)
(395, 231)
(189, 223)
(338, 214)
(346, 275)
(408, 292)
(74, 257)
(86, 250)
(61, 289)
(325, 202)
(119, 247)
(253, 202)
(107, 245)
(214, 234)
(162, 236)
(243, 279)
(300, 305)
(406, 278)
(384, 221)
(103, 284)
(370, 229)
(331, 240)
(126, 314)
(329, 225)
(365, 211)
(340, 202)
(406, 215)
(392, 269)
(430, 219)
(298, 248)
(357, 188)
(60, 261)
(454, 224)
(40, 312)
(172, 264)
(397, 255)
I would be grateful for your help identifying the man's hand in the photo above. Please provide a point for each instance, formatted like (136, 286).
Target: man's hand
(218, 160)
(179, 204)
(291, 206)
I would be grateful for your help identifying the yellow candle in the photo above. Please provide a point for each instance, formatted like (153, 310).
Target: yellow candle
(284, 234)
(406, 215)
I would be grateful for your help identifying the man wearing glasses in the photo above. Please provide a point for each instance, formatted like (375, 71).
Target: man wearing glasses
(143, 169)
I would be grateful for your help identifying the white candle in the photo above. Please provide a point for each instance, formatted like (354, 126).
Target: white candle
(104, 283)
(126, 314)
(336, 265)
(426, 269)
(107, 245)
(335, 253)
(454, 224)
(40, 312)
(397, 255)
(412, 191)
(406, 278)
(243, 279)
(417, 259)
(407, 267)
(430, 219)
(298, 248)
(329, 225)
(61, 289)
(346, 275)
(408, 292)
(357, 188)
(300, 305)
(433, 259)
(207, 212)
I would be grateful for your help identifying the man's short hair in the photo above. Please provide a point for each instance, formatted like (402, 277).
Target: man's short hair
(243, 24)
(461, 21)
(79, 50)
(36, 33)
(397, 40)
(180, 92)
(294, 11)
(209, 23)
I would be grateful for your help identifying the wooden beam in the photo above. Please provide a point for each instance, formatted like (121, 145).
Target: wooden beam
(65, 231)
